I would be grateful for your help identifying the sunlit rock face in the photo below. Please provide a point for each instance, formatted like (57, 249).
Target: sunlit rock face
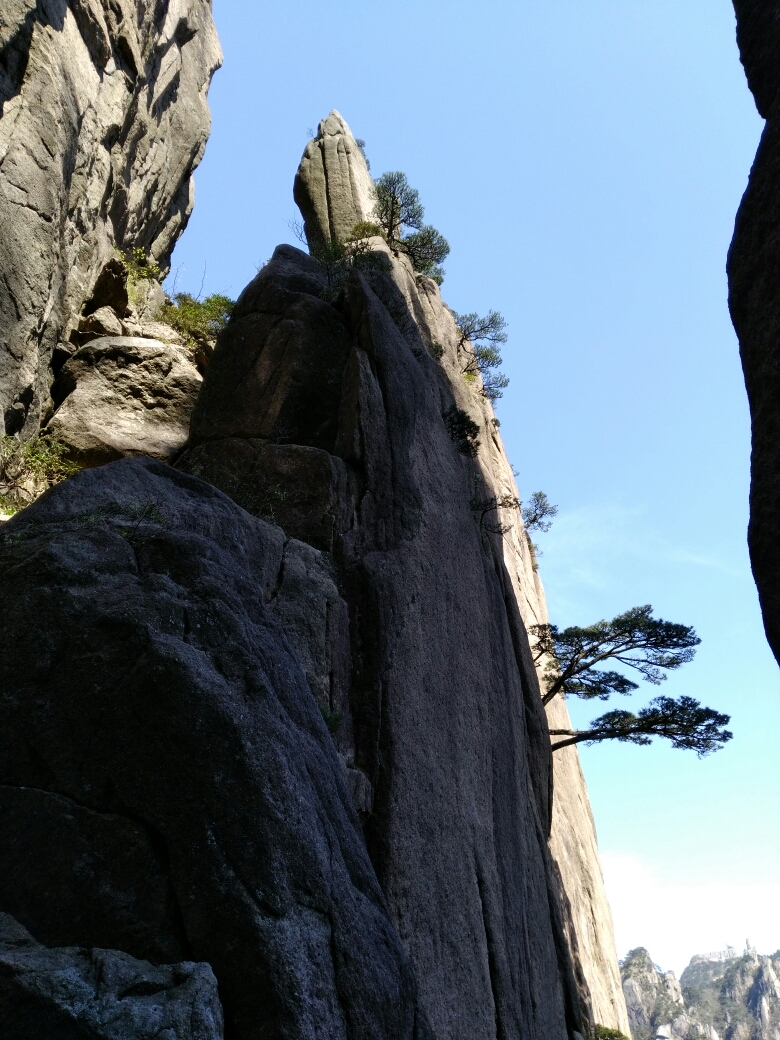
(333, 188)
(754, 301)
(103, 118)
(719, 996)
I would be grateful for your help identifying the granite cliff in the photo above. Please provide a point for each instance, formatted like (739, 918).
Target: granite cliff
(332, 401)
(754, 300)
(280, 722)
(719, 996)
(103, 118)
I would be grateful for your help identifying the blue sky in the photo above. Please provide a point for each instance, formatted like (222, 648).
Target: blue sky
(585, 159)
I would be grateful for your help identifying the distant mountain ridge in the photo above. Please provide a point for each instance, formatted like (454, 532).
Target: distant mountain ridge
(719, 996)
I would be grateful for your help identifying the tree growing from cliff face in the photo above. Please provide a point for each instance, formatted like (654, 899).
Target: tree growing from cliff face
(538, 513)
(479, 347)
(650, 646)
(399, 213)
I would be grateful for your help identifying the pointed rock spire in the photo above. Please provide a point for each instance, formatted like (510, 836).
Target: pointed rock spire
(333, 188)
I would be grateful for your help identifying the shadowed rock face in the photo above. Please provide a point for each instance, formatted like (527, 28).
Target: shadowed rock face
(103, 118)
(78, 994)
(445, 718)
(754, 301)
(168, 786)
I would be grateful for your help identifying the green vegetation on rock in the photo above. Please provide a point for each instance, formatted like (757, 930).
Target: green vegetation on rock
(400, 214)
(479, 343)
(646, 644)
(339, 259)
(139, 266)
(28, 468)
(198, 321)
(332, 717)
(463, 430)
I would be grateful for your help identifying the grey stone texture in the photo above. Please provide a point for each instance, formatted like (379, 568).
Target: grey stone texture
(444, 706)
(92, 994)
(169, 788)
(103, 118)
(333, 188)
(754, 302)
(124, 396)
(353, 377)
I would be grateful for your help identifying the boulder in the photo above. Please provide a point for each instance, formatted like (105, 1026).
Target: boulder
(124, 396)
(281, 363)
(103, 118)
(92, 994)
(333, 188)
(102, 322)
(156, 718)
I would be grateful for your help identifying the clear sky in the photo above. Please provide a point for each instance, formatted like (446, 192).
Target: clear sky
(585, 159)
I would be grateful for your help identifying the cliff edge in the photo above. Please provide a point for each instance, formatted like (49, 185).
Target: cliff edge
(754, 301)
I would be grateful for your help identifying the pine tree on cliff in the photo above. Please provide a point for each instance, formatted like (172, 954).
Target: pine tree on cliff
(646, 644)
(400, 213)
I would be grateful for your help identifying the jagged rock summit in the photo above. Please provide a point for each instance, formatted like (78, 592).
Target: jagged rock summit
(292, 731)
(720, 996)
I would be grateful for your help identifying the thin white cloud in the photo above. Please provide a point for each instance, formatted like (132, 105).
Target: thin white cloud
(674, 920)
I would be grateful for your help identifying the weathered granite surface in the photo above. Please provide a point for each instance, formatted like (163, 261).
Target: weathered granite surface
(445, 717)
(169, 788)
(91, 994)
(103, 118)
(333, 188)
(121, 395)
(754, 301)
(347, 386)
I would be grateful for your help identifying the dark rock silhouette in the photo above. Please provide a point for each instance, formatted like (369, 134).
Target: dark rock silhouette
(157, 723)
(445, 713)
(754, 301)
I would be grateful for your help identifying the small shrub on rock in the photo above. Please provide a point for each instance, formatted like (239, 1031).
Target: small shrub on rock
(400, 213)
(333, 718)
(339, 259)
(198, 321)
(28, 468)
(463, 430)
(480, 340)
